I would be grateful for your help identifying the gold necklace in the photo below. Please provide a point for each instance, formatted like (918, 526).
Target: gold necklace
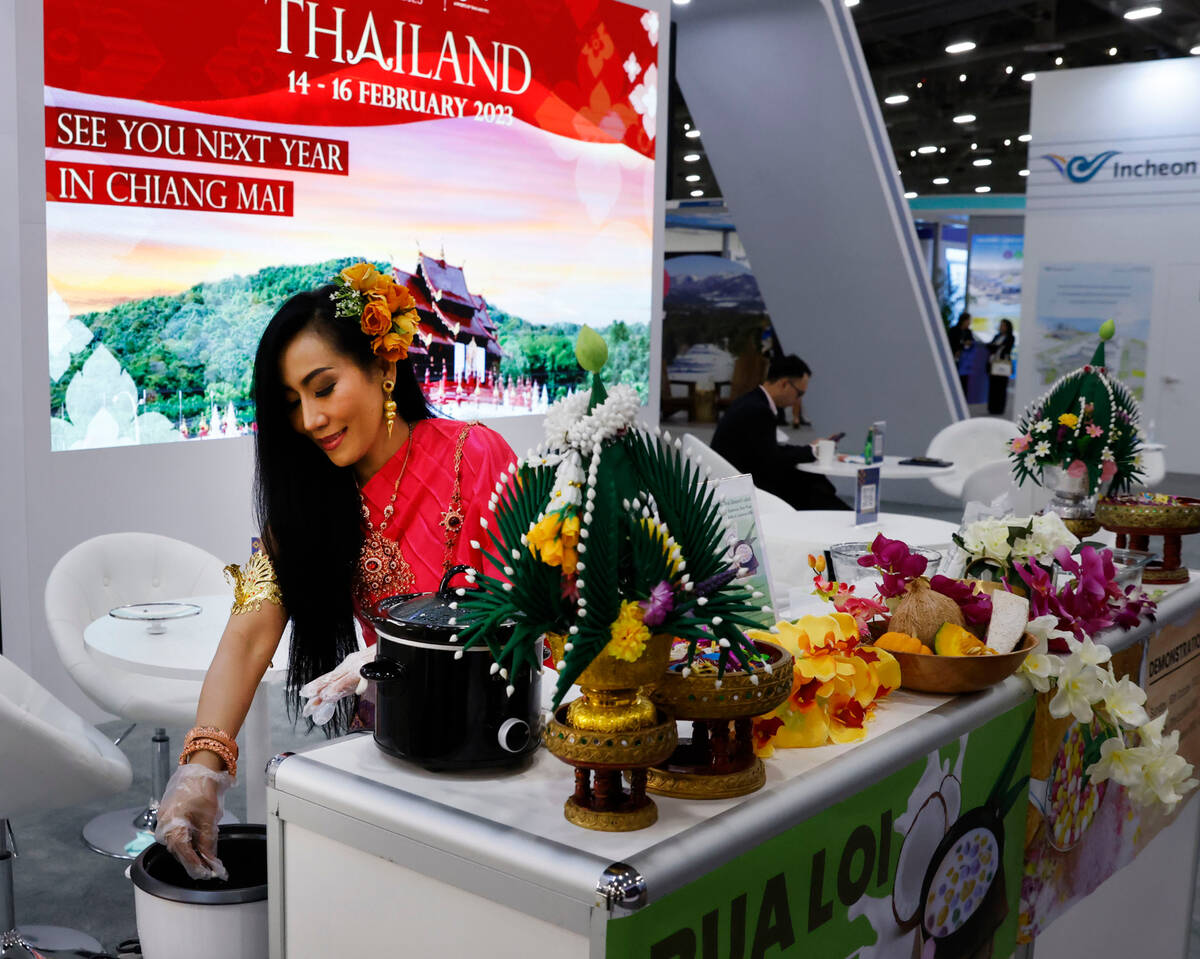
(390, 508)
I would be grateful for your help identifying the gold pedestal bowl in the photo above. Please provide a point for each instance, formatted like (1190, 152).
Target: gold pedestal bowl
(1135, 521)
(613, 728)
(718, 762)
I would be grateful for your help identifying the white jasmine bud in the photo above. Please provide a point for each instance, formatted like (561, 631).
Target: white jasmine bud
(582, 613)
(508, 570)
(458, 654)
(582, 601)
(507, 587)
(583, 533)
(580, 584)
(453, 620)
(483, 522)
(723, 643)
(717, 621)
(567, 647)
(580, 566)
(516, 554)
(689, 586)
(754, 679)
(581, 547)
(474, 544)
(510, 689)
(495, 668)
(757, 594)
(454, 605)
(504, 674)
(460, 592)
(701, 600)
(561, 665)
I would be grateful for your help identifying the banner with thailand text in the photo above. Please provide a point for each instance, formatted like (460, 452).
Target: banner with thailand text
(204, 163)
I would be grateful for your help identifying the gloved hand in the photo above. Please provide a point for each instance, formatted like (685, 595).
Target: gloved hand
(324, 692)
(192, 805)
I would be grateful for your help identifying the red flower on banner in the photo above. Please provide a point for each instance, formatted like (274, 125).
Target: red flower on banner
(598, 50)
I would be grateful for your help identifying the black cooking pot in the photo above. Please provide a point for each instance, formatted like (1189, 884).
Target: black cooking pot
(440, 711)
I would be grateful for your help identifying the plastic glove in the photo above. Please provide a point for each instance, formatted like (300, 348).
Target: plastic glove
(324, 692)
(192, 805)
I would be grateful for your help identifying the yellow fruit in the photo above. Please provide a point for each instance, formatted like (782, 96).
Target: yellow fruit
(953, 640)
(899, 643)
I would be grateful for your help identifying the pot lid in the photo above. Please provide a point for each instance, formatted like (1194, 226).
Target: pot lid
(426, 615)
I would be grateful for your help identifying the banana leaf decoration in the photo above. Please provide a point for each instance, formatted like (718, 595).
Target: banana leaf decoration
(651, 546)
(1088, 422)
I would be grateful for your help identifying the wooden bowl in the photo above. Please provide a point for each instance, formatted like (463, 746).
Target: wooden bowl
(930, 673)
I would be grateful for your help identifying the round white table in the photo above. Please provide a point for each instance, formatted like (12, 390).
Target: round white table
(184, 650)
(789, 538)
(889, 469)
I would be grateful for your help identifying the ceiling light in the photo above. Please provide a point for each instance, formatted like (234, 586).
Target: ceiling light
(682, 3)
(910, 195)
(1028, 77)
(686, 125)
(691, 157)
(1008, 142)
(912, 153)
(1058, 61)
(1025, 137)
(1112, 51)
(941, 180)
(692, 178)
(974, 146)
(962, 78)
(896, 98)
(1022, 173)
(982, 161)
(697, 193)
(852, 3)
(983, 189)
(963, 46)
(692, 134)
(1141, 13)
(920, 83)
(965, 118)
(1008, 69)
(1195, 51)
(927, 149)
(942, 150)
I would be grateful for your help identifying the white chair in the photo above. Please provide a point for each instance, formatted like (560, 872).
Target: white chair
(699, 450)
(1154, 466)
(993, 480)
(969, 444)
(49, 758)
(115, 570)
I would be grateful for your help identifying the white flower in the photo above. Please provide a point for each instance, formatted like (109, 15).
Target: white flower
(632, 67)
(1080, 685)
(563, 414)
(1119, 763)
(1041, 426)
(649, 21)
(1166, 776)
(644, 99)
(1042, 449)
(1151, 733)
(1124, 701)
(1088, 652)
(1049, 533)
(1041, 668)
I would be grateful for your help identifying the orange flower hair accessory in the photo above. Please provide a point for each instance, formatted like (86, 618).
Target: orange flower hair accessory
(385, 310)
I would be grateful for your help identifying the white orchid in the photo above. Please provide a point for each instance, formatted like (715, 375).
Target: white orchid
(1080, 685)
(1041, 667)
(1165, 775)
(1118, 762)
(1151, 733)
(1124, 701)
(1088, 652)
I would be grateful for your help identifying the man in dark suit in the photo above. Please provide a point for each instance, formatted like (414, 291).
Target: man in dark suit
(746, 437)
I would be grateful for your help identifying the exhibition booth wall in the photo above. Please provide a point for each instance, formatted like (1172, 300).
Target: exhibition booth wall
(805, 166)
(1112, 231)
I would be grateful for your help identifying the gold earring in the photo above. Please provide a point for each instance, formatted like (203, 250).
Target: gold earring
(389, 405)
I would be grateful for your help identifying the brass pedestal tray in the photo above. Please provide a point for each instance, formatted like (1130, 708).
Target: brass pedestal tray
(613, 728)
(718, 762)
(1135, 520)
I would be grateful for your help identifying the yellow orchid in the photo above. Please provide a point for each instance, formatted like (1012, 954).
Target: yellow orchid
(555, 540)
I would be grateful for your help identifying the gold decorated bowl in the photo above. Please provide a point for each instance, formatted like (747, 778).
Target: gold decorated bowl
(930, 673)
(608, 672)
(1181, 516)
(697, 695)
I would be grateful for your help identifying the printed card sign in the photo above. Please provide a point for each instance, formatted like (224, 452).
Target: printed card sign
(736, 495)
(866, 496)
(880, 428)
(204, 163)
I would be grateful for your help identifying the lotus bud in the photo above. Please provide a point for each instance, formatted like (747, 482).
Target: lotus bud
(590, 350)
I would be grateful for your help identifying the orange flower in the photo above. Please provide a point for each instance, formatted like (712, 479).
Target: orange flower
(765, 728)
(376, 317)
(391, 346)
(360, 276)
(396, 296)
(847, 721)
(406, 323)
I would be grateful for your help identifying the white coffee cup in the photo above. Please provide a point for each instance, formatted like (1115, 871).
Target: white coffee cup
(825, 451)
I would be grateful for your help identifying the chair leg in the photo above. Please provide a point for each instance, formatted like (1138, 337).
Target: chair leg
(20, 943)
(122, 834)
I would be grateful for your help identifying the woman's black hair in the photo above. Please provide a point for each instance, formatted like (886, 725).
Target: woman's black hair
(309, 509)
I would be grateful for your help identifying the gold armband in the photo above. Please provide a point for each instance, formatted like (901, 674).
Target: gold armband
(254, 583)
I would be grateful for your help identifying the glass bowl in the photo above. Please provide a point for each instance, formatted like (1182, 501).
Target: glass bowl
(845, 557)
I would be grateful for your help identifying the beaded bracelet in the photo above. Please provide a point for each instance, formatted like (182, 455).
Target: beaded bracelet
(212, 732)
(223, 752)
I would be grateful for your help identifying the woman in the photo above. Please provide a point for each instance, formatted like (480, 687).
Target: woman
(1000, 367)
(962, 343)
(360, 494)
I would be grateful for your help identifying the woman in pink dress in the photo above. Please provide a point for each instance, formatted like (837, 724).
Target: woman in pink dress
(361, 493)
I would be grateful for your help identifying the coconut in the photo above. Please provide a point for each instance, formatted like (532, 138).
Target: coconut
(920, 843)
(921, 612)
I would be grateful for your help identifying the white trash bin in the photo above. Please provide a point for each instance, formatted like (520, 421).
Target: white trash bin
(181, 918)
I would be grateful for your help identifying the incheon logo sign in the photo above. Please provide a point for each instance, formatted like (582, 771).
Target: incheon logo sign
(1080, 169)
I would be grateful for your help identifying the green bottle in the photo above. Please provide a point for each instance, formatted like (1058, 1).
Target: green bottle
(869, 447)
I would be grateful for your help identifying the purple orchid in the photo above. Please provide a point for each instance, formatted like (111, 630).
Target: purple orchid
(976, 607)
(660, 602)
(898, 565)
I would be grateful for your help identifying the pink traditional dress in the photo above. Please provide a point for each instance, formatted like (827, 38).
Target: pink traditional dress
(442, 478)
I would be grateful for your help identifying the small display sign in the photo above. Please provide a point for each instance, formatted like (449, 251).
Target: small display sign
(866, 496)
